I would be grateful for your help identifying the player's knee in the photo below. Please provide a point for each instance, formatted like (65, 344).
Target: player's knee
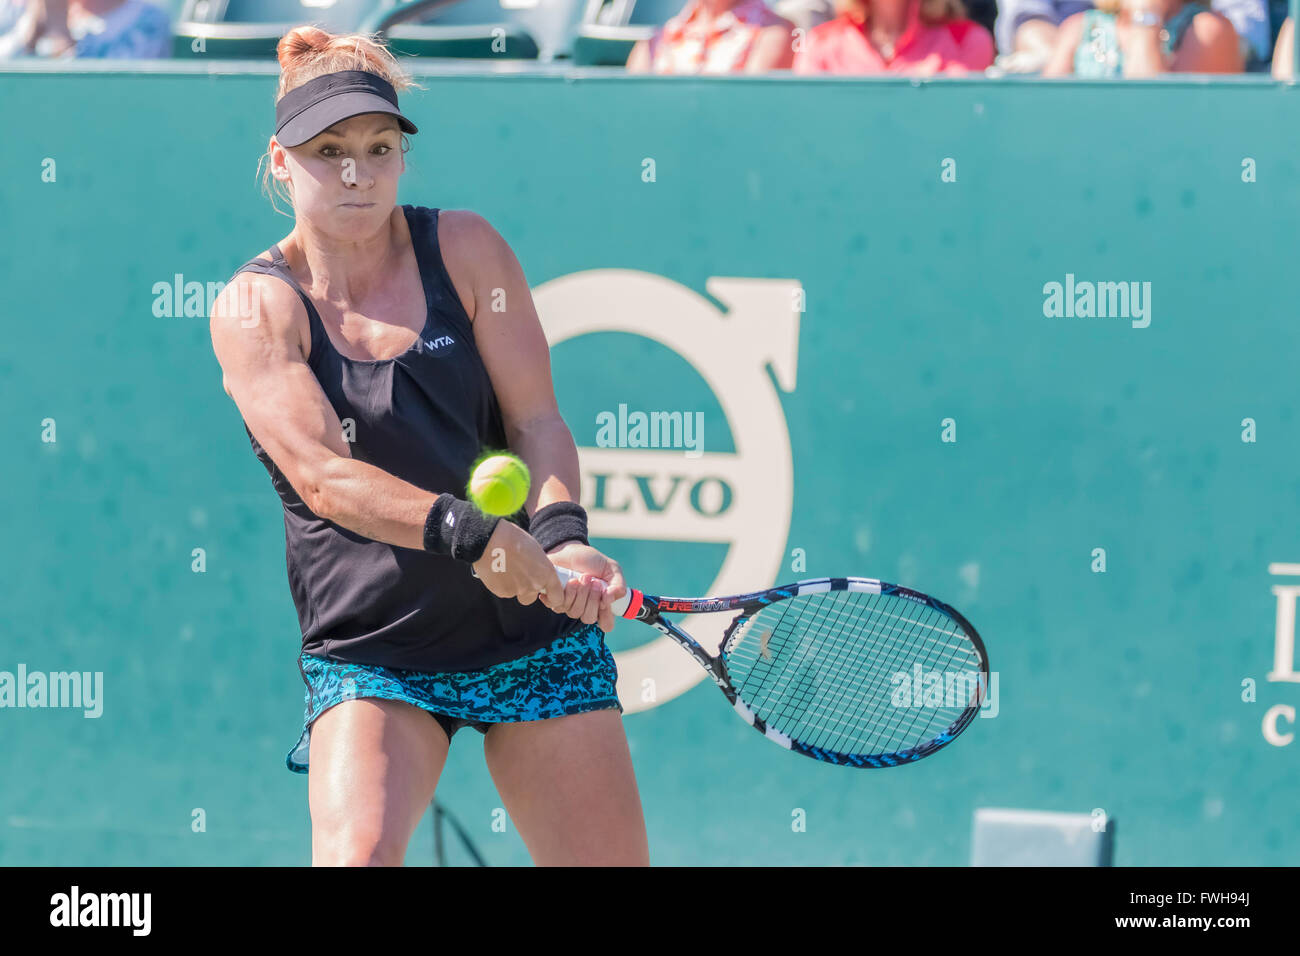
(630, 856)
(358, 847)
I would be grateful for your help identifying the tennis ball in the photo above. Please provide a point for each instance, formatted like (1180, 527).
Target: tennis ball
(499, 485)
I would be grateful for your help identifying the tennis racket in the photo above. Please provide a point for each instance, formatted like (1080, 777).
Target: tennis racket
(838, 669)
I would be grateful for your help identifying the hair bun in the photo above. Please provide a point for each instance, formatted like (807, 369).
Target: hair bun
(300, 42)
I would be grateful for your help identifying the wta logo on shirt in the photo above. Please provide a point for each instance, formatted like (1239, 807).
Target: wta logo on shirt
(442, 345)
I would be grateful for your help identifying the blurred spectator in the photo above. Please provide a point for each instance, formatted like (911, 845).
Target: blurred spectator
(717, 36)
(805, 14)
(34, 27)
(811, 13)
(1283, 53)
(116, 29)
(983, 12)
(1027, 29)
(1135, 38)
(915, 37)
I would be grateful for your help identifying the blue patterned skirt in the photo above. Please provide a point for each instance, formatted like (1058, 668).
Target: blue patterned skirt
(573, 674)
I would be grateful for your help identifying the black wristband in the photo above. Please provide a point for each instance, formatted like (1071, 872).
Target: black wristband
(456, 528)
(558, 522)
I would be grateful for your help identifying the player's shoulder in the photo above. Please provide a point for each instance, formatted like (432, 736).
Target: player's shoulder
(473, 254)
(255, 300)
(271, 289)
(464, 225)
(467, 237)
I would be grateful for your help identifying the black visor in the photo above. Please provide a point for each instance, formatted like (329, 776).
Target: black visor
(318, 104)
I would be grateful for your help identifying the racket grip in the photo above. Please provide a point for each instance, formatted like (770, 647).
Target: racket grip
(618, 607)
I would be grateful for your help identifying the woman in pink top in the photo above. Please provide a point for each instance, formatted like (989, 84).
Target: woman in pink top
(717, 36)
(915, 37)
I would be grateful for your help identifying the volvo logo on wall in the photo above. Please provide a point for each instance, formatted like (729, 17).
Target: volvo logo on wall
(742, 498)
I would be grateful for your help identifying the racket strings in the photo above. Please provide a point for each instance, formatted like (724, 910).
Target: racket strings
(942, 654)
(944, 648)
(898, 634)
(869, 709)
(813, 709)
(916, 641)
(836, 670)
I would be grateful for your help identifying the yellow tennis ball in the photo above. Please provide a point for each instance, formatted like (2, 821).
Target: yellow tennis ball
(499, 485)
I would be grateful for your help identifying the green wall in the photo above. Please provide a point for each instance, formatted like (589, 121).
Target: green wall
(924, 301)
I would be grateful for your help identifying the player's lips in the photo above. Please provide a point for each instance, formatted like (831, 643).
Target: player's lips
(357, 205)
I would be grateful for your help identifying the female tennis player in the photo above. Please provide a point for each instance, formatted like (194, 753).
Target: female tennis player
(374, 354)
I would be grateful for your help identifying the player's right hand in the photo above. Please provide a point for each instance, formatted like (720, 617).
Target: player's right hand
(514, 565)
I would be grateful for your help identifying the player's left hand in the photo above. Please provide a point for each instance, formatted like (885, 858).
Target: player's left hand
(588, 598)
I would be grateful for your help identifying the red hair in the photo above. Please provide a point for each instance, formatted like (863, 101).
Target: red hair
(308, 52)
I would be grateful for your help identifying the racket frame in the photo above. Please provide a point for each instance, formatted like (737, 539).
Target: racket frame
(649, 609)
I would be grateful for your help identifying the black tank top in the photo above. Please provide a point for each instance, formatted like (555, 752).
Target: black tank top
(424, 416)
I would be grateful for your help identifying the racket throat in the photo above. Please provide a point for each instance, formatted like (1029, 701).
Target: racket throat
(757, 723)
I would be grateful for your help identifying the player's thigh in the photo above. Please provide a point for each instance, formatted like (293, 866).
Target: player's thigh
(373, 769)
(569, 787)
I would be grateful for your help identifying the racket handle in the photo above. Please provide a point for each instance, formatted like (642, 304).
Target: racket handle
(618, 607)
